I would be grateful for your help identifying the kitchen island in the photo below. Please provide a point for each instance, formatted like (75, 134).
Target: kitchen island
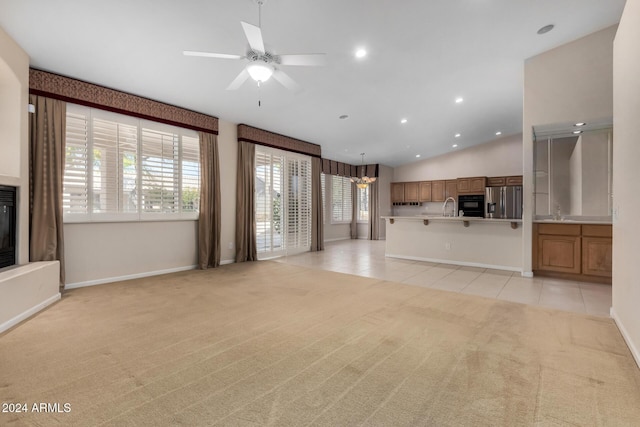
(467, 241)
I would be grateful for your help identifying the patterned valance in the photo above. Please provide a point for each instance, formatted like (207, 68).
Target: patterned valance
(332, 167)
(83, 93)
(270, 139)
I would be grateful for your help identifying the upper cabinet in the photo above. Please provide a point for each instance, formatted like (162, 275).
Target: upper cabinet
(501, 181)
(424, 191)
(397, 192)
(475, 185)
(437, 191)
(411, 192)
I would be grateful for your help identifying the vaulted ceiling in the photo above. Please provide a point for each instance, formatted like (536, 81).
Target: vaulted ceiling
(421, 56)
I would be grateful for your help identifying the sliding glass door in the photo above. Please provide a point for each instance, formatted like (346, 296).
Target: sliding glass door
(283, 202)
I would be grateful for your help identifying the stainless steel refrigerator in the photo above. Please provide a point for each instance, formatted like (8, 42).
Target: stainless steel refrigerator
(503, 202)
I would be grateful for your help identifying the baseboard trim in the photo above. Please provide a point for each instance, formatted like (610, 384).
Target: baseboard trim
(634, 350)
(227, 261)
(30, 312)
(128, 277)
(336, 239)
(527, 274)
(462, 263)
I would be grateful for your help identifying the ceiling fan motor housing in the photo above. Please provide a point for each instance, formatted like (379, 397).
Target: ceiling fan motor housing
(267, 58)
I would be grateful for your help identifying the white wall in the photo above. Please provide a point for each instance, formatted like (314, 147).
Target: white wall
(568, 84)
(626, 175)
(29, 287)
(502, 157)
(108, 251)
(384, 196)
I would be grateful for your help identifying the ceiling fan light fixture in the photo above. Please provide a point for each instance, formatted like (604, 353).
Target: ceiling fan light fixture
(260, 72)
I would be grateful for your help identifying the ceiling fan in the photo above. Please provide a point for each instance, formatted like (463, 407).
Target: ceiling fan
(262, 63)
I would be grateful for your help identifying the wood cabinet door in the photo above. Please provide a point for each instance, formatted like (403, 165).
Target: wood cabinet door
(477, 185)
(496, 181)
(410, 191)
(397, 192)
(425, 191)
(597, 256)
(463, 185)
(451, 189)
(559, 253)
(513, 180)
(437, 191)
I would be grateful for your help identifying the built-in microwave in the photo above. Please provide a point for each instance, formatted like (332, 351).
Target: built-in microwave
(471, 205)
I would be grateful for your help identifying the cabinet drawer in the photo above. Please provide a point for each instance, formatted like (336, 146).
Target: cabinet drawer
(559, 229)
(596, 230)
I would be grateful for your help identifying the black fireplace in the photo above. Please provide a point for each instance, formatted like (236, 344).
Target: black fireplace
(7, 226)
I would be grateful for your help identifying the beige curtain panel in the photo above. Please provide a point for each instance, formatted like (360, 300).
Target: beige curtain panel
(209, 223)
(47, 128)
(246, 248)
(317, 232)
(354, 211)
(374, 215)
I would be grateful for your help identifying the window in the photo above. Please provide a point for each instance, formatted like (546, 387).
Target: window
(341, 204)
(283, 202)
(121, 168)
(363, 204)
(323, 179)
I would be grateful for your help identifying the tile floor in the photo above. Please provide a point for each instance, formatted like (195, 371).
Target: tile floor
(366, 258)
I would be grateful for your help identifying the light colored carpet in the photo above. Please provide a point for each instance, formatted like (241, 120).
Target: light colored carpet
(274, 344)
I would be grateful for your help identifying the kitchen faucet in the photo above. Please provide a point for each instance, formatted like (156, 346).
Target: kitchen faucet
(444, 206)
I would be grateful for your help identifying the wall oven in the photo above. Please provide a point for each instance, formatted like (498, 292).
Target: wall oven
(471, 205)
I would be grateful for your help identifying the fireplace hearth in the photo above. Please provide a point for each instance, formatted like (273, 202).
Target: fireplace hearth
(7, 226)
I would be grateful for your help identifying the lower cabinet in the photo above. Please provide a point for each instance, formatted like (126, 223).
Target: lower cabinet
(559, 253)
(573, 251)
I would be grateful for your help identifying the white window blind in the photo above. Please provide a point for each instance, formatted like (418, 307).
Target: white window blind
(323, 184)
(341, 203)
(122, 168)
(283, 202)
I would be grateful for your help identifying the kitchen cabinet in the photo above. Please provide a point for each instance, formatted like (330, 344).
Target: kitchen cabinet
(513, 180)
(501, 181)
(451, 189)
(411, 192)
(573, 251)
(438, 191)
(474, 185)
(497, 181)
(397, 192)
(424, 190)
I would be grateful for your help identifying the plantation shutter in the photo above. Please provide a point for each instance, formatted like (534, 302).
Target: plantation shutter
(299, 204)
(75, 184)
(114, 172)
(341, 204)
(190, 174)
(160, 171)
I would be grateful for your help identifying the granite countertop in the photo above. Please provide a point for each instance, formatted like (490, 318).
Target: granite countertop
(572, 221)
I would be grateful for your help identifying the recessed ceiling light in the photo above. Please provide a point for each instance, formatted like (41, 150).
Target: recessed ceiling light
(417, 155)
(580, 124)
(545, 29)
(361, 53)
(459, 100)
(455, 145)
(498, 133)
(343, 117)
(577, 131)
(403, 121)
(457, 135)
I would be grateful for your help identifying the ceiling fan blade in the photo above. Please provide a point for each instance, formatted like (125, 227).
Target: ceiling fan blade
(241, 78)
(254, 36)
(310, 59)
(286, 81)
(211, 55)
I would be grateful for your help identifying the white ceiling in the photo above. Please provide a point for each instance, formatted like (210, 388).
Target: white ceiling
(422, 55)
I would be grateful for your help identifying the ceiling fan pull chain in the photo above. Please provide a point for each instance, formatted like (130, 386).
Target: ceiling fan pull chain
(259, 102)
